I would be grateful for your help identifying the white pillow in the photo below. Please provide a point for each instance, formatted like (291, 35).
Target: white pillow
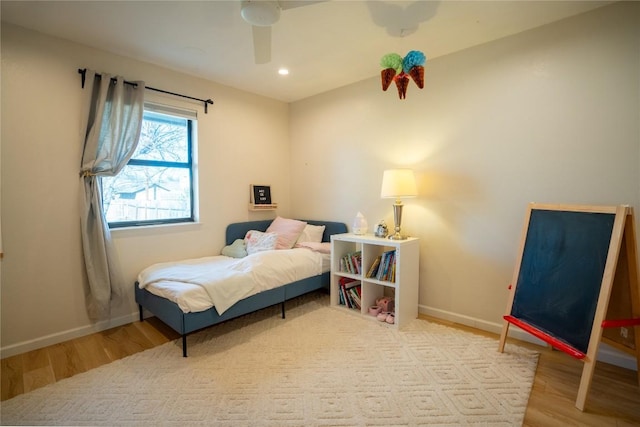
(257, 241)
(311, 233)
(288, 231)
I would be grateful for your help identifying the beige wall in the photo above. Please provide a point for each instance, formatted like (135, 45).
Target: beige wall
(549, 115)
(243, 140)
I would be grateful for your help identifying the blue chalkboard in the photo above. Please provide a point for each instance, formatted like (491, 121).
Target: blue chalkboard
(561, 273)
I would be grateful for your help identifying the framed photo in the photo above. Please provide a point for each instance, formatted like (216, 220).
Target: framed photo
(261, 194)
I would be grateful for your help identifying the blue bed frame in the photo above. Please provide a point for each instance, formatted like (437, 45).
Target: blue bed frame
(186, 323)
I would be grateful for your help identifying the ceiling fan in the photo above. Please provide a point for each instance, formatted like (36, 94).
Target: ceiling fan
(262, 14)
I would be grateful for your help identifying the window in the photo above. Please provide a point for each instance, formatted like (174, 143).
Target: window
(157, 185)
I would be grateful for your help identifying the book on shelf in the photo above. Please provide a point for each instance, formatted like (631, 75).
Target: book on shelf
(351, 262)
(390, 267)
(380, 271)
(355, 297)
(347, 298)
(347, 282)
(350, 292)
(392, 260)
(359, 290)
(373, 270)
(356, 260)
(344, 283)
(392, 277)
(344, 299)
(352, 284)
(387, 264)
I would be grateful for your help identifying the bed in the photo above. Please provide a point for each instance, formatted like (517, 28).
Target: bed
(171, 313)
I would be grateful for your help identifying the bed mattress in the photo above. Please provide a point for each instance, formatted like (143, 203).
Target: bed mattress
(255, 273)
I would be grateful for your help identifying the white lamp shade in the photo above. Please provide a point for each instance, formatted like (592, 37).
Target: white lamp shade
(397, 183)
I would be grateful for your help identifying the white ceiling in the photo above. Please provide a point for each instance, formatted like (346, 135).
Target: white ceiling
(325, 45)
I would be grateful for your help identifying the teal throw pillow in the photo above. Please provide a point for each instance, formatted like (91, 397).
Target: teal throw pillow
(237, 249)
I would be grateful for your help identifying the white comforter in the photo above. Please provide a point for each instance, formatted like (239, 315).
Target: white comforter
(228, 280)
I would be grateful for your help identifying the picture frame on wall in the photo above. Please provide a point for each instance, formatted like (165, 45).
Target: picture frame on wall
(261, 194)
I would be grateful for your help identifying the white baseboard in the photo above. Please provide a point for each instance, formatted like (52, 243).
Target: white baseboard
(59, 337)
(606, 353)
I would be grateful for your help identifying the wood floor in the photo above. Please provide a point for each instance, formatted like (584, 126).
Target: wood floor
(614, 399)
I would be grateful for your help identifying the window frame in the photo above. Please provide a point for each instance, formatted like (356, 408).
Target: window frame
(189, 165)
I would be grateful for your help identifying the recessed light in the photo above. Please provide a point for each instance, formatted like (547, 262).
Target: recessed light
(283, 71)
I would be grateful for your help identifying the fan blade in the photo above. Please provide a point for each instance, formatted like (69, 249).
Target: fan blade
(261, 44)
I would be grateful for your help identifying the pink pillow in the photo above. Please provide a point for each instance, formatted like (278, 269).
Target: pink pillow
(288, 231)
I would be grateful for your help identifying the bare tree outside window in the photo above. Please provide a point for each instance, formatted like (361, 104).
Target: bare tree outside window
(156, 186)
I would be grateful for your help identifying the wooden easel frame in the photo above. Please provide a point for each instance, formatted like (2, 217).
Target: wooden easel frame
(623, 232)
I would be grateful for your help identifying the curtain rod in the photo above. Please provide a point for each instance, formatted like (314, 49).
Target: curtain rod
(83, 72)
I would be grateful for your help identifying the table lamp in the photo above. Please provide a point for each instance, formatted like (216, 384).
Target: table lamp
(397, 184)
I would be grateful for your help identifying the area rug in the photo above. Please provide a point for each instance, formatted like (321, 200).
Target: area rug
(320, 366)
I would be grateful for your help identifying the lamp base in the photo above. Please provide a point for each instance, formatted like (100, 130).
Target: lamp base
(397, 219)
(397, 236)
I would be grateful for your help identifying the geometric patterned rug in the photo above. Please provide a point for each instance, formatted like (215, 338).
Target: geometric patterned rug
(320, 366)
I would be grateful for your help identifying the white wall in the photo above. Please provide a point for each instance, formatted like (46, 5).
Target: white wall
(243, 140)
(549, 115)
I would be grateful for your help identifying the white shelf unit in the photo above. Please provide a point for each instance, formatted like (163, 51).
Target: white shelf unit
(405, 287)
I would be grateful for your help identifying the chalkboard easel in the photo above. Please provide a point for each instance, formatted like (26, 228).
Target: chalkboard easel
(576, 283)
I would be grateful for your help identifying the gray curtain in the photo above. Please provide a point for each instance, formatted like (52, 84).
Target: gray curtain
(113, 113)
